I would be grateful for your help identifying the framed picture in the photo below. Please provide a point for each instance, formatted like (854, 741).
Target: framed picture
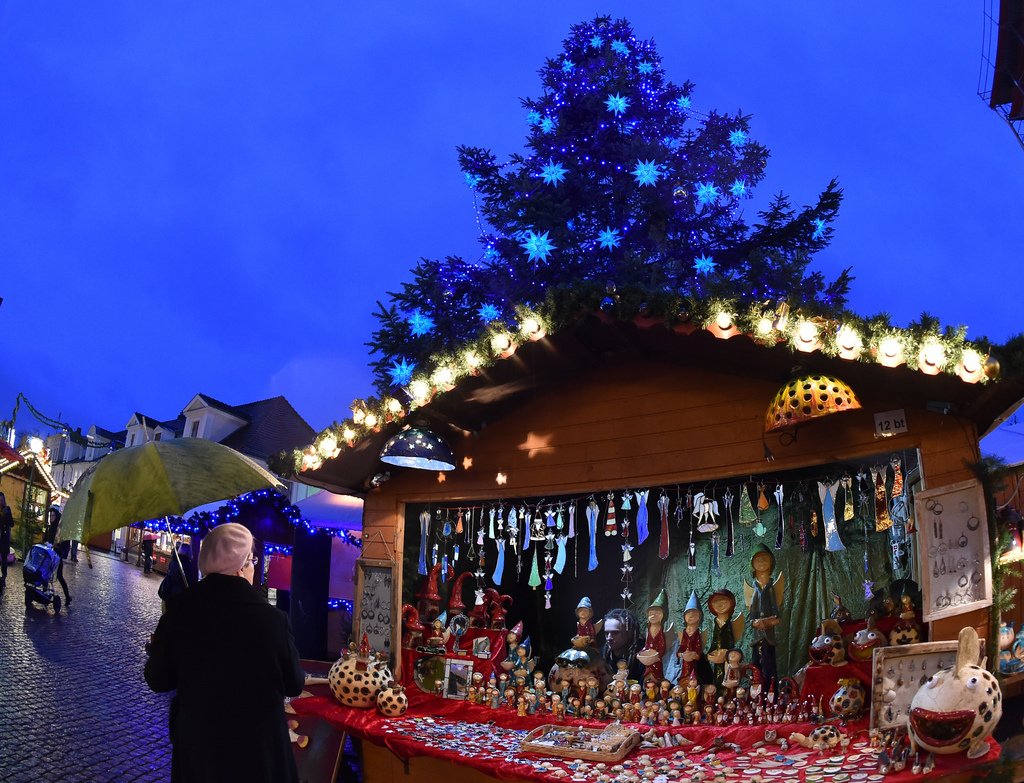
(482, 647)
(458, 673)
(955, 569)
(896, 674)
(376, 606)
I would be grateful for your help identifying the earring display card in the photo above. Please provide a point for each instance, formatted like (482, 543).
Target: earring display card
(898, 672)
(955, 569)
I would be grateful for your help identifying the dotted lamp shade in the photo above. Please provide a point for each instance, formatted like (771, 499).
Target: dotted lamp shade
(807, 397)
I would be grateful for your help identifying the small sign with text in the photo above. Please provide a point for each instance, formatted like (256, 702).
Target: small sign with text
(890, 423)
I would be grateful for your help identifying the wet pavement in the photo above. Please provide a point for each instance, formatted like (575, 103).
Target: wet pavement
(73, 702)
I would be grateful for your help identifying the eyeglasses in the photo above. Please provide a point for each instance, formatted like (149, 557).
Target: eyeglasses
(251, 560)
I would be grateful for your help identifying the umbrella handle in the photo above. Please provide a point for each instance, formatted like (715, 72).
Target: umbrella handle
(174, 548)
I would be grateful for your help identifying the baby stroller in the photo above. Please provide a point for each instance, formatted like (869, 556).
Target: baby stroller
(39, 572)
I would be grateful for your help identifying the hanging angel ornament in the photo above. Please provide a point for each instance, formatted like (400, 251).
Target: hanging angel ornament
(827, 494)
(424, 541)
(663, 504)
(729, 531)
(593, 511)
(513, 530)
(642, 532)
(626, 507)
(848, 498)
(780, 532)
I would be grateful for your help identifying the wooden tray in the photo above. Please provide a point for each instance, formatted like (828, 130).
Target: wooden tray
(610, 743)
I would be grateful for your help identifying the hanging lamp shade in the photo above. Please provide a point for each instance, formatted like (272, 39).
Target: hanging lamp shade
(418, 448)
(808, 397)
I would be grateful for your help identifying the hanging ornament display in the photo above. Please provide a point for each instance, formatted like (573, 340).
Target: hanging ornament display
(804, 537)
(641, 515)
(626, 507)
(663, 504)
(534, 580)
(499, 563)
(827, 493)
(458, 524)
(424, 536)
(609, 520)
(561, 541)
(627, 571)
(779, 533)
(691, 563)
(705, 509)
(869, 586)
(763, 503)
(716, 569)
(572, 519)
(549, 548)
(882, 519)
(848, 498)
(747, 515)
(592, 513)
(729, 532)
(513, 530)
(490, 530)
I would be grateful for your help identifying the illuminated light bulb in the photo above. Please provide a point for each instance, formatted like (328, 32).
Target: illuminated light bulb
(443, 377)
(328, 446)
(890, 347)
(847, 338)
(724, 320)
(807, 331)
(933, 354)
(394, 405)
(972, 361)
(472, 360)
(370, 420)
(530, 326)
(500, 343)
(358, 414)
(348, 434)
(764, 326)
(419, 390)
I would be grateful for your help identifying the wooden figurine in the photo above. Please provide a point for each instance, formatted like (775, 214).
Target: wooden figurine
(655, 646)
(691, 644)
(725, 630)
(586, 629)
(763, 599)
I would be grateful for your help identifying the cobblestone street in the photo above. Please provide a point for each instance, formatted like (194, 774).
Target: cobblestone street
(73, 702)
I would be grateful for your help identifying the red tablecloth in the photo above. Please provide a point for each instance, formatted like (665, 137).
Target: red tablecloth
(457, 731)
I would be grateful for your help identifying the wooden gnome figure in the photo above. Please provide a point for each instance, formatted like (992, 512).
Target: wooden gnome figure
(429, 598)
(655, 645)
(586, 628)
(512, 639)
(412, 628)
(724, 630)
(691, 644)
(763, 599)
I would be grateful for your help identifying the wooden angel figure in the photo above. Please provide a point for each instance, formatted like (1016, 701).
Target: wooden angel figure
(586, 629)
(691, 643)
(763, 599)
(725, 630)
(654, 648)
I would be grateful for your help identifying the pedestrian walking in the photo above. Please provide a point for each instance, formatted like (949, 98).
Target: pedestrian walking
(62, 549)
(232, 659)
(181, 572)
(148, 542)
(6, 523)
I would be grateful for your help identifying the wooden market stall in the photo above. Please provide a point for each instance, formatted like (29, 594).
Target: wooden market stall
(609, 407)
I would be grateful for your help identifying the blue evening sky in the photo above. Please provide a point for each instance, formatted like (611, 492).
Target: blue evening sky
(211, 196)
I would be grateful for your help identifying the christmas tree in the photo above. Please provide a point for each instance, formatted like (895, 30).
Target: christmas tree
(624, 183)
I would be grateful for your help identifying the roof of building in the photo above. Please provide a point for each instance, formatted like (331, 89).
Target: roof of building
(232, 409)
(274, 426)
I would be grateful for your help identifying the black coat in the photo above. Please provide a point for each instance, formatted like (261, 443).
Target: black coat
(231, 657)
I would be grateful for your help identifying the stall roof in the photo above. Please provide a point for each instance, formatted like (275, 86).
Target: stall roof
(595, 342)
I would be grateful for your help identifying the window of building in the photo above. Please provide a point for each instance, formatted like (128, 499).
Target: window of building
(132, 441)
(195, 429)
(157, 435)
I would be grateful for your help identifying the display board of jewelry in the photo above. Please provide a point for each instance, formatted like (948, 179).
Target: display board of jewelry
(610, 743)
(896, 674)
(956, 573)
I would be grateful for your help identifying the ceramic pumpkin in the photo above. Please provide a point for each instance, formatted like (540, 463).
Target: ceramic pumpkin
(957, 707)
(356, 680)
(847, 703)
(392, 700)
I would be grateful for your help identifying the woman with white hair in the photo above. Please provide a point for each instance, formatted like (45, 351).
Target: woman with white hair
(231, 658)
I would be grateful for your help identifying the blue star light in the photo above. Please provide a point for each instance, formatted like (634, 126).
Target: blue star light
(620, 47)
(609, 238)
(704, 265)
(617, 104)
(488, 313)
(490, 252)
(568, 65)
(819, 228)
(472, 180)
(421, 324)
(596, 42)
(533, 117)
(645, 68)
(647, 172)
(537, 246)
(707, 193)
(738, 138)
(547, 125)
(553, 173)
(401, 372)
(683, 102)
(738, 188)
